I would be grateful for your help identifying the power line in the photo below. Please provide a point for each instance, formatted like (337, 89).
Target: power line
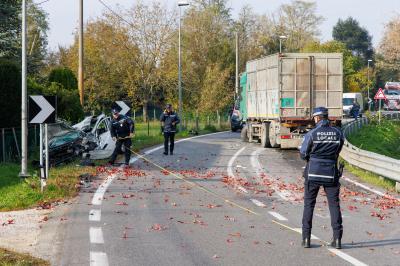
(45, 1)
(115, 13)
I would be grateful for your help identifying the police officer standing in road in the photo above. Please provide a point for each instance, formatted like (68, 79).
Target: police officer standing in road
(321, 148)
(169, 119)
(122, 130)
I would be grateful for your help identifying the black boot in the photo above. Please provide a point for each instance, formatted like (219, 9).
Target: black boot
(165, 153)
(336, 243)
(306, 243)
(171, 152)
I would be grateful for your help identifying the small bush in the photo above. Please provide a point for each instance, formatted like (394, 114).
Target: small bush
(210, 128)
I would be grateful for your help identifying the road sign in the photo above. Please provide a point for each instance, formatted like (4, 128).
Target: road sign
(42, 109)
(124, 108)
(380, 95)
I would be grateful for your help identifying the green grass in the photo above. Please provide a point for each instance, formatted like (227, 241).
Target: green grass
(382, 139)
(10, 258)
(19, 193)
(371, 178)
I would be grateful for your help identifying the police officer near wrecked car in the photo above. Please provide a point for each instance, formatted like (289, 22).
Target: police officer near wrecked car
(122, 130)
(169, 119)
(321, 148)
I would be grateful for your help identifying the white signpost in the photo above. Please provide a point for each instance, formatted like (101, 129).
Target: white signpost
(380, 96)
(42, 110)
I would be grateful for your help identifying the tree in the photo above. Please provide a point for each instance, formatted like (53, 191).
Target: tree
(355, 37)
(10, 88)
(388, 62)
(10, 33)
(149, 29)
(299, 22)
(109, 67)
(65, 77)
(10, 29)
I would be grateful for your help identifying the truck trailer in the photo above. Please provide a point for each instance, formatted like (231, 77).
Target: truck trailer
(279, 92)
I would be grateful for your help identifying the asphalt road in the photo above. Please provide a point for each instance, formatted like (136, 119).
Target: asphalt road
(219, 201)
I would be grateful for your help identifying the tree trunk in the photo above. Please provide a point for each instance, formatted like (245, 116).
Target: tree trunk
(145, 115)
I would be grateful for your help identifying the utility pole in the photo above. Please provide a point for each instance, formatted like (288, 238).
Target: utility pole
(80, 82)
(180, 5)
(24, 120)
(237, 67)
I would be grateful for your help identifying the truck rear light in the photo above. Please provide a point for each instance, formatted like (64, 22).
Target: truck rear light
(286, 136)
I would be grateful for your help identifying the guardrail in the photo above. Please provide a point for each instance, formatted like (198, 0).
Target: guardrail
(370, 161)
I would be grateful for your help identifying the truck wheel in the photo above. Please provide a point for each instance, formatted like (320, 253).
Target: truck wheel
(243, 134)
(272, 136)
(265, 136)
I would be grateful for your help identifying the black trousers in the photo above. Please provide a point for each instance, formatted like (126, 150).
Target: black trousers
(127, 143)
(169, 137)
(310, 197)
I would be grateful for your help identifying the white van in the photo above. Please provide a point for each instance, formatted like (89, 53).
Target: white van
(348, 99)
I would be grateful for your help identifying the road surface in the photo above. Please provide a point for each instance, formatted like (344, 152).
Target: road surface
(218, 201)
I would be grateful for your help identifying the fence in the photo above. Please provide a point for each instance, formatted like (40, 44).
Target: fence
(10, 143)
(373, 162)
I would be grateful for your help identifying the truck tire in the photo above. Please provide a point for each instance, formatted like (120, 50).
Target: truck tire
(265, 136)
(243, 134)
(272, 136)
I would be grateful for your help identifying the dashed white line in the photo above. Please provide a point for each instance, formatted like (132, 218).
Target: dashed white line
(242, 189)
(95, 215)
(347, 257)
(99, 195)
(98, 259)
(96, 235)
(258, 203)
(278, 216)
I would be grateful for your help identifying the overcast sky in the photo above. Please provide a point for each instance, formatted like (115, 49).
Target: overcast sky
(372, 14)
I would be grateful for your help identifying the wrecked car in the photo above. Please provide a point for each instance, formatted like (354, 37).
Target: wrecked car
(90, 136)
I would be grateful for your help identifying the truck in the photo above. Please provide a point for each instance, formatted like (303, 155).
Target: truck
(279, 92)
(392, 93)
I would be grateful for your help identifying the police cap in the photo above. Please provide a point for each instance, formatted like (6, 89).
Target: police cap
(320, 111)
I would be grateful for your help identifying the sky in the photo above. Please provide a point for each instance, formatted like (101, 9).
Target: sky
(371, 14)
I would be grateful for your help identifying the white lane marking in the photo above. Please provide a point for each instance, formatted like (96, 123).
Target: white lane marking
(229, 169)
(242, 189)
(96, 235)
(347, 257)
(278, 216)
(285, 195)
(299, 230)
(134, 159)
(258, 203)
(369, 189)
(239, 166)
(99, 195)
(232, 160)
(95, 215)
(98, 259)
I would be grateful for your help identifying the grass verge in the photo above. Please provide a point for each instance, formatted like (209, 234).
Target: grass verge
(382, 139)
(19, 193)
(371, 178)
(11, 258)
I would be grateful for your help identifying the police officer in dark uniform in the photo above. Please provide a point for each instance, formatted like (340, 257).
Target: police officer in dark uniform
(169, 119)
(122, 130)
(321, 148)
